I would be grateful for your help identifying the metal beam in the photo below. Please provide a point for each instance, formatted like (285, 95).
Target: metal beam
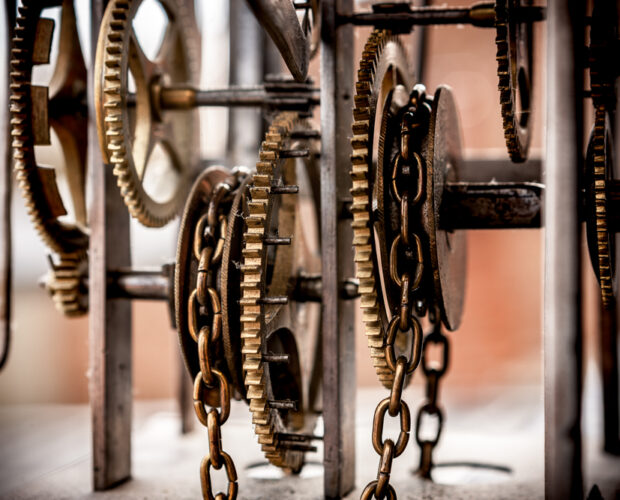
(562, 293)
(110, 320)
(339, 383)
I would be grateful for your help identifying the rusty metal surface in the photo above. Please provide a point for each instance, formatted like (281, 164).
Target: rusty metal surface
(448, 251)
(337, 256)
(110, 384)
(468, 205)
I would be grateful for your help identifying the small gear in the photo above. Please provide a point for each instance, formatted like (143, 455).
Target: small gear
(35, 108)
(601, 240)
(514, 68)
(383, 67)
(129, 132)
(66, 284)
(274, 321)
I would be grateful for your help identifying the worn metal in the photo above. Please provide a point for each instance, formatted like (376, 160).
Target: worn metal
(337, 256)
(514, 55)
(296, 41)
(608, 325)
(402, 16)
(142, 284)
(128, 135)
(6, 261)
(494, 205)
(562, 291)
(110, 360)
(280, 395)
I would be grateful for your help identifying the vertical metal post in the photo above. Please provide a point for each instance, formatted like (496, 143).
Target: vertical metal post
(110, 320)
(609, 372)
(562, 295)
(246, 68)
(337, 255)
(5, 202)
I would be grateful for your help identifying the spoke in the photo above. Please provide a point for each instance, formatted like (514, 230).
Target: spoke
(168, 51)
(143, 160)
(141, 66)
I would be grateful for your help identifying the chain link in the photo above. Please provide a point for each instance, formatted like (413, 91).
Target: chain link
(407, 245)
(433, 372)
(205, 327)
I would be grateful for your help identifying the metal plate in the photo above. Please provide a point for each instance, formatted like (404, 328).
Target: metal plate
(442, 153)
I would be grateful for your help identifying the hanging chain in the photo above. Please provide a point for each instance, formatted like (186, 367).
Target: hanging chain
(205, 327)
(433, 372)
(407, 246)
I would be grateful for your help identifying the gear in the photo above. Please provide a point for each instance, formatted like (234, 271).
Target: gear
(32, 114)
(66, 285)
(514, 68)
(129, 133)
(383, 67)
(275, 321)
(601, 240)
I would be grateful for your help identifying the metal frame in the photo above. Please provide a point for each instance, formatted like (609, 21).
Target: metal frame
(110, 312)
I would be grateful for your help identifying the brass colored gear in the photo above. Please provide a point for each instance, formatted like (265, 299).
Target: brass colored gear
(61, 105)
(382, 67)
(129, 132)
(274, 321)
(601, 240)
(65, 283)
(514, 68)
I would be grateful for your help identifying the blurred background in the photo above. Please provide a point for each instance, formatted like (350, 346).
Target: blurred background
(499, 342)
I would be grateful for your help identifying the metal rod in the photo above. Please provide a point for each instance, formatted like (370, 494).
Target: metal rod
(6, 264)
(562, 293)
(282, 300)
(284, 189)
(284, 404)
(609, 375)
(491, 205)
(145, 284)
(480, 15)
(110, 383)
(339, 386)
(276, 240)
(276, 358)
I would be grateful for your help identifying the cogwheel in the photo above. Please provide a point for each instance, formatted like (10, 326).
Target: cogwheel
(128, 134)
(383, 61)
(273, 319)
(514, 68)
(601, 241)
(65, 284)
(30, 114)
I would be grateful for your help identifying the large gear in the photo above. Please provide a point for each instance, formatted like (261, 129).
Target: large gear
(128, 135)
(63, 107)
(601, 239)
(514, 68)
(273, 320)
(383, 66)
(66, 284)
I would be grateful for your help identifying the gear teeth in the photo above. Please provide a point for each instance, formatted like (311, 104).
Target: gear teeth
(117, 19)
(360, 170)
(517, 137)
(604, 249)
(266, 420)
(58, 237)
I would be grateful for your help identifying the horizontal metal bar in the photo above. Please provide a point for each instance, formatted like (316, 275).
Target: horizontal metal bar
(491, 206)
(144, 284)
(481, 15)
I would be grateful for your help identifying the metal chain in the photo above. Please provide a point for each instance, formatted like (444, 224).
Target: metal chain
(205, 327)
(407, 171)
(433, 373)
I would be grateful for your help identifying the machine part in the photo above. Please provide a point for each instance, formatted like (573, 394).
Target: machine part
(129, 133)
(447, 249)
(601, 237)
(65, 283)
(62, 106)
(603, 54)
(211, 346)
(383, 67)
(514, 68)
(281, 242)
(296, 34)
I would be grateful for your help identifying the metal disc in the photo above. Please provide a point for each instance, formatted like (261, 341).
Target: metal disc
(442, 153)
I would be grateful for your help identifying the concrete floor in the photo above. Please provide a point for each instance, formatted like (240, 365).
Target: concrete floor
(45, 452)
